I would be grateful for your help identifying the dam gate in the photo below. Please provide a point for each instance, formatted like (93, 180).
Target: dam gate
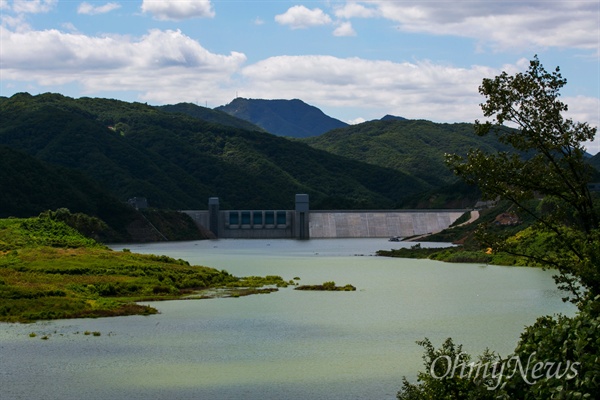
(303, 223)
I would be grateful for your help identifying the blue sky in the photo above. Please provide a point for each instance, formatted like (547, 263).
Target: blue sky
(356, 60)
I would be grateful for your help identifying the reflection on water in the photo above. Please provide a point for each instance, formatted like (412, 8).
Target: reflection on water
(288, 344)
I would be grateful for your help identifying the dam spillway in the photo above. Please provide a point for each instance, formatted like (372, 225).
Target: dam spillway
(375, 224)
(303, 223)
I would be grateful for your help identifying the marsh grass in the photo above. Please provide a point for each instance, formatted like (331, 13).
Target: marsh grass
(328, 286)
(49, 271)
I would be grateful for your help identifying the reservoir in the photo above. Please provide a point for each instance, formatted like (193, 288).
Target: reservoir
(284, 345)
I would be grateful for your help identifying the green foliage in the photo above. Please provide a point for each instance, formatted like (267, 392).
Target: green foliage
(469, 257)
(441, 381)
(415, 147)
(33, 232)
(259, 281)
(91, 227)
(567, 221)
(556, 358)
(448, 254)
(328, 286)
(562, 341)
(415, 251)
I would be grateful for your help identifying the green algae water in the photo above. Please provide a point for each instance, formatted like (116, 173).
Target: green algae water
(284, 345)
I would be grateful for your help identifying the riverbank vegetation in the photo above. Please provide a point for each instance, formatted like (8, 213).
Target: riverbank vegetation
(467, 244)
(48, 270)
(328, 286)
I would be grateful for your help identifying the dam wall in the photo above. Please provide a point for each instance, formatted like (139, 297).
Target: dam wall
(376, 224)
(303, 223)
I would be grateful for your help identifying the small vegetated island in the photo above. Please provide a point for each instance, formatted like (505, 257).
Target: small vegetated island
(328, 287)
(49, 270)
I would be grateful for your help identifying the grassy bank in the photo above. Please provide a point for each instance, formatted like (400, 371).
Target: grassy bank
(467, 248)
(48, 271)
(448, 254)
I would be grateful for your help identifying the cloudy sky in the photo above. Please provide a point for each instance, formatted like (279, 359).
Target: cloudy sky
(356, 60)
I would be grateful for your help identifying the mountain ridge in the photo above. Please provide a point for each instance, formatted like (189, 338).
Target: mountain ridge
(415, 147)
(210, 115)
(290, 118)
(178, 161)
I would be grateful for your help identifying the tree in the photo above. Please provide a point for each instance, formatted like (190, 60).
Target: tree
(449, 375)
(545, 177)
(547, 165)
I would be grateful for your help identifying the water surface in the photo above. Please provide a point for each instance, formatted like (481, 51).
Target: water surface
(284, 345)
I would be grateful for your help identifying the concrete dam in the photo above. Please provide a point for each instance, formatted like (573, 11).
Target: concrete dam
(375, 224)
(303, 223)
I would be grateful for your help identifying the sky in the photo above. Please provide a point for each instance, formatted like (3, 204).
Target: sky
(355, 60)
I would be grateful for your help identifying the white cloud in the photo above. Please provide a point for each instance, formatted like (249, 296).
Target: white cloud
(299, 17)
(89, 9)
(505, 25)
(33, 6)
(344, 29)
(17, 23)
(442, 93)
(355, 10)
(356, 121)
(177, 10)
(170, 67)
(414, 90)
(69, 27)
(164, 66)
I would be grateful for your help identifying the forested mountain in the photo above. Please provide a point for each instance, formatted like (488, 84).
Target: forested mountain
(210, 115)
(595, 161)
(292, 118)
(415, 147)
(389, 117)
(178, 161)
(30, 186)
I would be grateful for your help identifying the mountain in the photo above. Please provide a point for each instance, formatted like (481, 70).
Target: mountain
(415, 147)
(30, 186)
(178, 161)
(595, 161)
(209, 115)
(72, 134)
(292, 118)
(389, 117)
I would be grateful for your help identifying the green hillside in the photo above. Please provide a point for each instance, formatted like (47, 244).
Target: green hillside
(178, 161)
(209, 115)
(415, 147)
(595, 161)
(48, 270)
(30, 186)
